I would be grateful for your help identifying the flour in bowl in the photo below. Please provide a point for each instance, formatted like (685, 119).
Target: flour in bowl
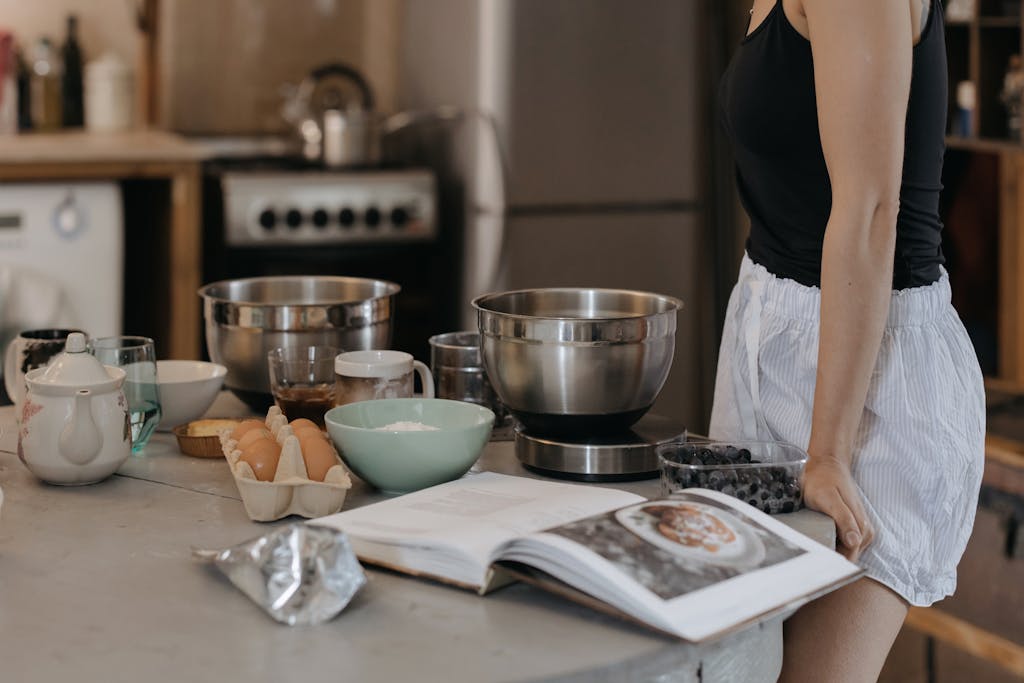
(407, 427)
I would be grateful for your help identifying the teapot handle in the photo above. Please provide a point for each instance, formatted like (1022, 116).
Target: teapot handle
(345, 71)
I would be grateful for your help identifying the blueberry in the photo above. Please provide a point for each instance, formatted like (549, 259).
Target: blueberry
(744, 455)
(728, 490)
(754, 487)
(788, 506)
(716, 479)
(705, 453)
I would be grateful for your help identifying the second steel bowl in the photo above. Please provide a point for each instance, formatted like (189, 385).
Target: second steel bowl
(246, 318)
(576, 361)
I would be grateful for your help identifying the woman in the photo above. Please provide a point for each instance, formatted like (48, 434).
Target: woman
(840, 335)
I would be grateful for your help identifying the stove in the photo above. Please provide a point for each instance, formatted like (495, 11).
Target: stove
(305, 208)
(277, 214)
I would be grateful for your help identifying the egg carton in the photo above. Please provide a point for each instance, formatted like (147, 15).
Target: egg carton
(291, 492)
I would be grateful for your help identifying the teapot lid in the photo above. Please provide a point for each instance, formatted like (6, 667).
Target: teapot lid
(75, 366)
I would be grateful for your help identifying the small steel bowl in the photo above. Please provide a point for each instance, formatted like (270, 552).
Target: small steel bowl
(577, 361)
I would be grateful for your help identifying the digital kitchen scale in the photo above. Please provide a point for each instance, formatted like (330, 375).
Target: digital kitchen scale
(628, 456)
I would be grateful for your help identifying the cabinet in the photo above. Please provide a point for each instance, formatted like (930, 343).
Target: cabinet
(160, 175)
(984, 187)
(978, 632)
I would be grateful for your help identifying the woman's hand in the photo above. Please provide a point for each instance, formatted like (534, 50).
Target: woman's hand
(829, 488)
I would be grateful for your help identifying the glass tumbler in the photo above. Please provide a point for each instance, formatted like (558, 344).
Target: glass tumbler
(302, 381)
(137, 357)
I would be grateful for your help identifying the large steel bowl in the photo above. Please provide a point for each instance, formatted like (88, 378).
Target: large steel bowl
(577, 361)
(247, 318)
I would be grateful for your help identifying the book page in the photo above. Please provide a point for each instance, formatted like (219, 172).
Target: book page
(473, 515)
(698, 564)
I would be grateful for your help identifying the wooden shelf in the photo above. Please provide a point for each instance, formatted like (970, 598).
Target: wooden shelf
(967, 637)
(999, 22)
(992, 145)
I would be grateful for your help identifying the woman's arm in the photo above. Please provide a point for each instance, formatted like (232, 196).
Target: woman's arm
(862, 63)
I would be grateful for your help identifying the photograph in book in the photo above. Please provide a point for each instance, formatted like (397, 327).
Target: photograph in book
(676, 546)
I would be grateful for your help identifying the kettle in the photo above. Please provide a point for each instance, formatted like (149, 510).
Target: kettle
(335, 132)
(75, 428)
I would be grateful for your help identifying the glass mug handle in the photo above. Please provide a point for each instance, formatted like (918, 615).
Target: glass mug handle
(425, 377)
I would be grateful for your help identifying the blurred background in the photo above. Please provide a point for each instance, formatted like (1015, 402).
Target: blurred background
(459, 147)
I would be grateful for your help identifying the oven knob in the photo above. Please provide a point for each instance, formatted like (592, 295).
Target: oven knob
(293, 218)
(372, 217)
(347, 218)
(268, 219)
(399, 217)
(320, 218)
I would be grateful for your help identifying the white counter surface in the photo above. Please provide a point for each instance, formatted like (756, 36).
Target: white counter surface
(97, 583)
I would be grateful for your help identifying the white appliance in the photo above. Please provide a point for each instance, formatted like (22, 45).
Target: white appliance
(601, 111)
(61, 257)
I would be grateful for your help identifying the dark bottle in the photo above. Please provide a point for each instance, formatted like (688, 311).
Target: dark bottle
(71, 85)
(24, 93)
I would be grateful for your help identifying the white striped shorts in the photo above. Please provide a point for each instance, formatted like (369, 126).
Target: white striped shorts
(919, 452)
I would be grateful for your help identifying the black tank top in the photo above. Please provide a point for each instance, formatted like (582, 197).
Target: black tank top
(769, 112)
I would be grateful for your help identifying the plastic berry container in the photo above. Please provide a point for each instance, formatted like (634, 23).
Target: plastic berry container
(765, 474)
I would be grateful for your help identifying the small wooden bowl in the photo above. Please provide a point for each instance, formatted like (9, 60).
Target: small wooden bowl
(200, 438)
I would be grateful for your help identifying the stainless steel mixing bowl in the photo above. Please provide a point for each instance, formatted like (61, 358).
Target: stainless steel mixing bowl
(247, 318)
(577, 361)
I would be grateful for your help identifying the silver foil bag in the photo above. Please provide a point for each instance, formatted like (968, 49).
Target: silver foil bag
(299, 574)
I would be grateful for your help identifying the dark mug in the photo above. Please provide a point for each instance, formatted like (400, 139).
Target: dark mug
(30, 350)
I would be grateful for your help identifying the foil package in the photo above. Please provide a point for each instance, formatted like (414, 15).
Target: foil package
(299, 574)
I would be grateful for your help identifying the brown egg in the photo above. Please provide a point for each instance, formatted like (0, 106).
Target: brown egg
(310, 434)
(302, 424)
(253, 435)
(319, 457)
(262, 456)
(246, 426)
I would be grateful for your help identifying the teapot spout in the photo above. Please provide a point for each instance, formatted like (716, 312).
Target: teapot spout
(80, 440)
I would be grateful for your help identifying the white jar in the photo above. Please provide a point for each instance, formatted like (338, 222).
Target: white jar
(109, 94)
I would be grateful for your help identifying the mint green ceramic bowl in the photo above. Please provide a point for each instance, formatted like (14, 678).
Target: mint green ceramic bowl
(401, 461)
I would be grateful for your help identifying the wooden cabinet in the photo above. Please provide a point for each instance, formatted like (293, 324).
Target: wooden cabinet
(162, 214)
(979, 631)
(984, 187)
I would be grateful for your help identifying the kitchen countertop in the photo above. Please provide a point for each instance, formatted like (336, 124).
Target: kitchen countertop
(79, 146)
(97, 584)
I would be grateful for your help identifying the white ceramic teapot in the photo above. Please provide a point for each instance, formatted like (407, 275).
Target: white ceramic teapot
(74, 420)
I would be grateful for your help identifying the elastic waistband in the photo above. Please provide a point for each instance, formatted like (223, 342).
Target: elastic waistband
(914, 306)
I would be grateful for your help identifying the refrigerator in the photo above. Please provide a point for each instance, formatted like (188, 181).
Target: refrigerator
(600, 108)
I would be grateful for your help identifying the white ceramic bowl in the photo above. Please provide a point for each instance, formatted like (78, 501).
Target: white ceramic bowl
(187, 389)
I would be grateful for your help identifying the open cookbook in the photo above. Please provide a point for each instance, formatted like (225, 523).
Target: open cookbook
(696, 566)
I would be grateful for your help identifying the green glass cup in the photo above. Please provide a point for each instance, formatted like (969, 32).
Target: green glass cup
(137, 357)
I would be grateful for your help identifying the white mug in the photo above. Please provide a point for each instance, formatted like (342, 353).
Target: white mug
(368, 375)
